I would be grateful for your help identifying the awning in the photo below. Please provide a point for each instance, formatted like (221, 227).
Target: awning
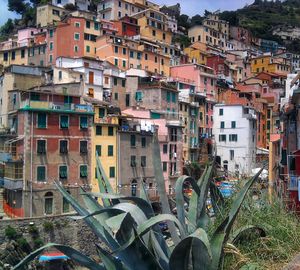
(51, 256)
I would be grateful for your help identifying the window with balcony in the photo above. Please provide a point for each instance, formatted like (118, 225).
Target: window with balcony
(63, 172)
(98, 150)
(83, 122)
(112, 172)
(83, 147)
(110, 131)
(83, 171)
(64, 121)
(132, 140)
(42, 120)
(41, 147)
(98, 130)
(41, 173)
(133, 161)
(63, 146)
(110, 150)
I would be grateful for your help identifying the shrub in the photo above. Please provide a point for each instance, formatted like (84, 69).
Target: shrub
(23, 244)
(48, 226)
(38, 242)
(10, 233)
(34, 231)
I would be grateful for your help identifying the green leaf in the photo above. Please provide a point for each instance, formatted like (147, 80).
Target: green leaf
(70, 252)
(180, 198)
(217, 198)
(193, 249)
(110, 262)
(103, 175)
(161, 188)
(247, 232)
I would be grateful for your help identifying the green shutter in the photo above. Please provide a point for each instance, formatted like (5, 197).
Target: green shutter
(174, 97)
(41, 173)
(63, 172)
(168, 96)
(110, 150)
(64, 121)
(41, 146)
(98, 150)
(101, 112)
(83, 122)
(138, 96)
(110, 131)
(132, 140)
(111, 172)
(222, 124)
(98, 130)
(83, 171)
(42, 120)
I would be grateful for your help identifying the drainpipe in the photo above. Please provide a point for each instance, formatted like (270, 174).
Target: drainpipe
(31, 161)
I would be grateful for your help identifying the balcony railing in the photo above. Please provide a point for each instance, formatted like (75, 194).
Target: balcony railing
(112, 120)
(56, 106)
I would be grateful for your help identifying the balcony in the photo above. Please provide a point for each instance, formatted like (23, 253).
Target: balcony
(13, 175)
(55, 106)
(8, 153)
(111, 120)
(156, 84)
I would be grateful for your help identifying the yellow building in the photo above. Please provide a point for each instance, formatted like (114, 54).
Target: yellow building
(48, 14)
(213, 21)
(11, 55)
(267, 63)
(104, 141)
(154, 26)
(196, 53)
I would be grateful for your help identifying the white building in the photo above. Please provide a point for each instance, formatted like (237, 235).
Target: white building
(234, 130)
(92, 71)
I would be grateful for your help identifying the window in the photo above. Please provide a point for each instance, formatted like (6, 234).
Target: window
(133, 161)
(133, 188)
(13, 55)
(124, 63)
(96, 25)
(51, 46)
(41, 173)
(101, 112)
(222, 138)
(233, 137)
(222, 124)
(98, 130)
(50, 58)
(42, 120)
(155, 60)
(83, 122)
(87, 48)
(123, 83)
(51, 33)
(131, 54)
(75, 48)
(143, 142)
(231, 154)
(41, 147)
(83, 171)
(138, 55)
(221, 111)
(120, 4)
(115, 81)
(110, 150)
(119, 14)
(139, 96)
(112, 172)
(98, 150)
(268, 125)
(76, 36)
(63, 172)
(110, 131)
(63, 146)
(116, 96)
(165, 148)
(164, 166)
(162, 62)
(174, 97)
(143, 161)
(48, 202)
(34, 96)
(168, 96)
(146, 56)
(23, 53)
(64, 121)
(153, 33)
(164, 36)
(127, 100)
(5, 56)
(83, 147)
(116, 62)
(66, 205)
(132, 141)
(77, 24)
(233, 124)
(116, 49)
(88, 24)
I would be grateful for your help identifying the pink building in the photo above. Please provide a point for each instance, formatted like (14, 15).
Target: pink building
(26, 34)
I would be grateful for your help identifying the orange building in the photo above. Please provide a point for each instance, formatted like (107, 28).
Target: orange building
(128, 53)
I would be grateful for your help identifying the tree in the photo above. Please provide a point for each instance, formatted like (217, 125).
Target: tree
(70, 7)
(183, 21)
(196, 20)
(7, 28)
(18, 6)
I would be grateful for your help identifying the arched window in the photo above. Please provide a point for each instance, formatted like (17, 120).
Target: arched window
(49, 203)
(133, 187)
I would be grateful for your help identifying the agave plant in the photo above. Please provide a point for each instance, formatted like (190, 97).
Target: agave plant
(128, 227)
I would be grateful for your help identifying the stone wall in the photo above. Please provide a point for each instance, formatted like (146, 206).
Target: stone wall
(54, 229)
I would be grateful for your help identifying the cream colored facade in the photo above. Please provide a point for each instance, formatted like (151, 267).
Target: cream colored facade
(213, 21)
(48, 14)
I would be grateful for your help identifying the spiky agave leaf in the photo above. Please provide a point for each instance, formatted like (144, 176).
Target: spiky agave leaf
(180, 198)
(193, 251)
(221, 234)
(109, 261)
(69, 251)
(217, 198)
(247, 230)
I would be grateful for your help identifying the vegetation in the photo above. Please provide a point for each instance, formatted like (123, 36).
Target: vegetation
(129, 228)
(48, 226)
(11, 233)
